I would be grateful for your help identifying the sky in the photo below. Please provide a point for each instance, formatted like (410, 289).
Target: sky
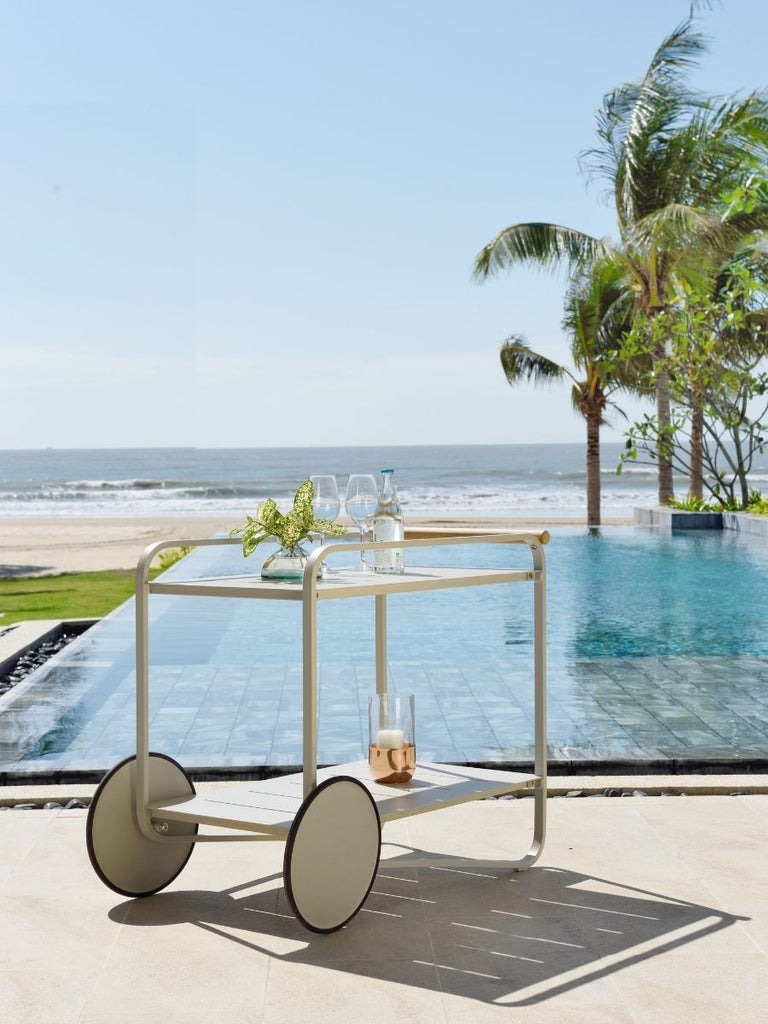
(233, 223)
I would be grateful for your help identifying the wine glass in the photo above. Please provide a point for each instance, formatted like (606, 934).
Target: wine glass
(325, 503)
(361, 502)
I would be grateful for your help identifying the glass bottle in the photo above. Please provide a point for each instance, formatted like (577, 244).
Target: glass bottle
(388, 525)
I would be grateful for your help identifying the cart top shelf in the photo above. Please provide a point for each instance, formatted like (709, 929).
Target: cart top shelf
(344, 583)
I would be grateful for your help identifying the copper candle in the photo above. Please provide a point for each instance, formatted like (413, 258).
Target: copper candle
(391, 747)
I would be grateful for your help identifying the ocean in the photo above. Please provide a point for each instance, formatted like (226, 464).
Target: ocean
(449, 480)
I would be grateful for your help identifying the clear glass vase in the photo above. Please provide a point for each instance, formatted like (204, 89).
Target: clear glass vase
(285, 564)
(391, 748)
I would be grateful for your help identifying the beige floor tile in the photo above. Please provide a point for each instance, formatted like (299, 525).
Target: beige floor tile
(758, 802)
(499, 1008)
(379, 930)
(450, 891)
(737, 878)
(540, 970)
(741, 890)
(756, 927)
(691, 823)
(43, 996)
(614, 914)
(486, 829)
(353, 992)
(249, 915)
(508, 949)
(60, 856)
(677, 930)
(19, 832)
(180, 959)
(697, 990)
(396, 892)
(233, 867)
(49, 930)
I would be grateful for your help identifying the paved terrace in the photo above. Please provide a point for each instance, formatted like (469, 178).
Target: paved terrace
(641, 911)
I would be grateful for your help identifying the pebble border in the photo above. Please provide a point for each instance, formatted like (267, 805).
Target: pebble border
(611, 792)
(34, 658)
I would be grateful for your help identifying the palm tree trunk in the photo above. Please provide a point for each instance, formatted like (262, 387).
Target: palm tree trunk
(593, 471)
(663, 416)
(696, 473)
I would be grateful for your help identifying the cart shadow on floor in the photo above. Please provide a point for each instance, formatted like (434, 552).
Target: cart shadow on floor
(473, 931)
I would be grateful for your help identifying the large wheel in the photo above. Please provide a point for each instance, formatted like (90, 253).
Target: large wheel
(332, 854)
(121, 855)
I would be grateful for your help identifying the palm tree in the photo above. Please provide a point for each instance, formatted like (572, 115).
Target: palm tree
(596, 315)
(723, 334)
(747, 261)
(669, 159)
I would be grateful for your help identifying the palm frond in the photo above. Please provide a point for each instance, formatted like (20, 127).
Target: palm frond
(722, 145)
(520, 362)
(675, 228)
(576, 398)
(636, 118)
(537, 244)
(742, 228)
(598, 310)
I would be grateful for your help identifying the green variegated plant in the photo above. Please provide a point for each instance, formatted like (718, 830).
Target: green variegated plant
(290, 529)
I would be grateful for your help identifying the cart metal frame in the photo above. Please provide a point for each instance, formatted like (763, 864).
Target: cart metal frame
(166, 812)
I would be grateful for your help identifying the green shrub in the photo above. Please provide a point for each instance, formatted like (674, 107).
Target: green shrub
(689, 504)
(170, 557)
(758, 505)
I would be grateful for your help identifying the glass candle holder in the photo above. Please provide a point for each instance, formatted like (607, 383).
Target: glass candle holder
(391, 745)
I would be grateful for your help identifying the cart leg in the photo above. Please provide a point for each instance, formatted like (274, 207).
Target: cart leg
(539, 828)
(540, 719)
(332, 854)
(121, 855)
(381, 643)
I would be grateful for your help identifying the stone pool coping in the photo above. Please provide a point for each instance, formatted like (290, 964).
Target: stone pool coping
(559, 786)
(674, 520)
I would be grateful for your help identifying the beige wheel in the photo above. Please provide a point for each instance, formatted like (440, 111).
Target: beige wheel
(121, 855)
(332, 854)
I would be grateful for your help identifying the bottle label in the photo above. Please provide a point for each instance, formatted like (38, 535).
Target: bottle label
(391, 559)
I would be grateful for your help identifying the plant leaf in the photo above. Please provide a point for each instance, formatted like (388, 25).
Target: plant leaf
(329, 528)
(270, 517)
(302, 504)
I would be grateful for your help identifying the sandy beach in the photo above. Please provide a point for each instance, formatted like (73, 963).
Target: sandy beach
(47, 545)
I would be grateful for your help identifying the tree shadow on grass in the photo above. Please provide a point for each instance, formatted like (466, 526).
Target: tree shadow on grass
(12, 572)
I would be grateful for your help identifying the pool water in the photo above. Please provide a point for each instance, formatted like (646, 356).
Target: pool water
(627, 593)
(657, 649)
(633, 593)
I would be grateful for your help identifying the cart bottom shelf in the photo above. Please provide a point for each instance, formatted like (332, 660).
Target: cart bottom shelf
(270, 806)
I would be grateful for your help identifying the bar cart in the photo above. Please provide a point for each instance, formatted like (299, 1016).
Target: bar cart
(143, 822)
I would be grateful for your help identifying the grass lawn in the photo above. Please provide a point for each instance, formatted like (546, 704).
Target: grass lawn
(81, 595)
(77, 595)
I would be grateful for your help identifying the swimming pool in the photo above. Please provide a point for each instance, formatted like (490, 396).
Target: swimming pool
(657, 649)
(634, 593)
